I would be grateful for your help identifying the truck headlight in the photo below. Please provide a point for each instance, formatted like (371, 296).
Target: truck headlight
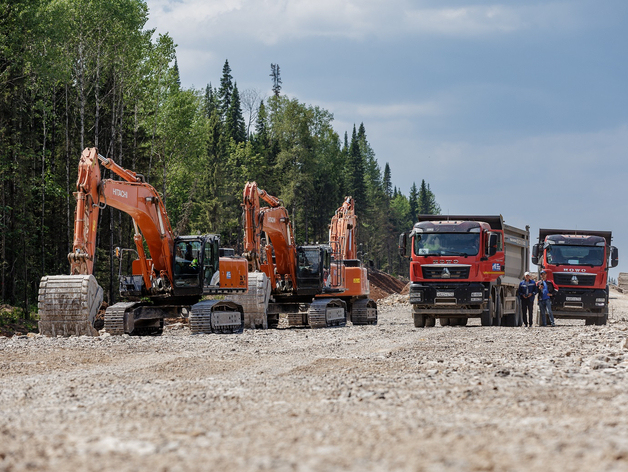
(476, 294)
(600, 300)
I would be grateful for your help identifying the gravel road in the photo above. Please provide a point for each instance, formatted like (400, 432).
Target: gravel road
(385, 397)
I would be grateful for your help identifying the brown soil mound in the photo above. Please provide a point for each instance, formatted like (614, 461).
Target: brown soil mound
(383, 284)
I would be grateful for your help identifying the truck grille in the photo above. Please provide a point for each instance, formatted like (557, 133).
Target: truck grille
(440, 272)
(567, 278)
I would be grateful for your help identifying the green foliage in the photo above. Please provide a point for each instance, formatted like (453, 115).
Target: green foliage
(83, 73)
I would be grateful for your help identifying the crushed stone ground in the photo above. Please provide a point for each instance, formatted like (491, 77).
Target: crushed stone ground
(385, 397)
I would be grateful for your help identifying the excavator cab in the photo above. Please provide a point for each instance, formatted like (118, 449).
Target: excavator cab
(195, 263)
(313, 264)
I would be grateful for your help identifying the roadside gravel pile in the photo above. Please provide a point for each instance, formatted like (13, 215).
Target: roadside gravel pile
(385, 397)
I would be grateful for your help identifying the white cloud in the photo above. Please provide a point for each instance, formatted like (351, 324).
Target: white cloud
(272, 21)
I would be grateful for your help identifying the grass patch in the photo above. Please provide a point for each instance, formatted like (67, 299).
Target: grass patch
(12, 321)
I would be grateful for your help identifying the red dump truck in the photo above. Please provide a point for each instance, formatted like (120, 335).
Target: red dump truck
(577, 262)
(465, 267)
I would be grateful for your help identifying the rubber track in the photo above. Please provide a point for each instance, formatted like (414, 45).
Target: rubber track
(114, 317)
(297, 319)
(317, 313)
(360, 312)
(201, 317)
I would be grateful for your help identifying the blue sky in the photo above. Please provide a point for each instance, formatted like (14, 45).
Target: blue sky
(511, 107)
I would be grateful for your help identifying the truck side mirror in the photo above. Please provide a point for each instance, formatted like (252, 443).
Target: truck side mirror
(493, 239)
(614, 256)
(403, 242)
(535, 254)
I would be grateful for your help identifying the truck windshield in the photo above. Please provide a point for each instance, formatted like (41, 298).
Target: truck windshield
(575, 255)
(443, 244)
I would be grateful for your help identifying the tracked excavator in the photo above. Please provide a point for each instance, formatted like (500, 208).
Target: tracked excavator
(181, 270)
(347, 271)
(306, 283)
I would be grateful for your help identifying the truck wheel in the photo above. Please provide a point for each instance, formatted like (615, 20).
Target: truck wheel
(602, 320)
(499, 311)
(445, 321)
(430, 321)
(419, 320)
(589, 321)
(463, 321)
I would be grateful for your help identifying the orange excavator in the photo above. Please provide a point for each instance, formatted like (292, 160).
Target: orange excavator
(169, 284)
(306, 283)
(347, 270)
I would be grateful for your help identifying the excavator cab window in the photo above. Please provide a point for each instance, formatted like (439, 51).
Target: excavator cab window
(210, 263)
(310, 268)
(187, 263)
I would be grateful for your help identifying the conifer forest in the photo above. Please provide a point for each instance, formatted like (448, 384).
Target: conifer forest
(87, 73)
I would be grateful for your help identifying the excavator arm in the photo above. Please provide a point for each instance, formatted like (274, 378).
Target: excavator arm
(132, 196)
(275, 222)
(342, 231)
(68, 304)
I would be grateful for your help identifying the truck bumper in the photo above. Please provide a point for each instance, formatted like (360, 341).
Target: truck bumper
(579, 303)
(467, 299)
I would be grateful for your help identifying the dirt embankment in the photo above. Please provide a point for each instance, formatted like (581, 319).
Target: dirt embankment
(383, 285)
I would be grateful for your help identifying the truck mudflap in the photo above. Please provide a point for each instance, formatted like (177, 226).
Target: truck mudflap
(453, 298)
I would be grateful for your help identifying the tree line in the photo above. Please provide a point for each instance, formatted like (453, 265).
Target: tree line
(83, 73)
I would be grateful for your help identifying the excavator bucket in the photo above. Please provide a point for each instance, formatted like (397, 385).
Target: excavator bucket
(68, 305)
(255, 301)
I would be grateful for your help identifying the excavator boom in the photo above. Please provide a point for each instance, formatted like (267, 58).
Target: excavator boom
(68, 303)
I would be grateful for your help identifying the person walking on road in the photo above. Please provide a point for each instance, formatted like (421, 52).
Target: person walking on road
(546, 292)
(526, 292)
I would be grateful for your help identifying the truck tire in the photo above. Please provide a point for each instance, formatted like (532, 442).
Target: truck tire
(487, 315)
(499, 311)
(445, 321)
(430, 321)
(602, 320)
(463, 321)
(419, 320)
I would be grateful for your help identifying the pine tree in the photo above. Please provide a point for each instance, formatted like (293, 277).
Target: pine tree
(275, 74)
(261, 129)
(234, 122)
(413, 199)
(177, 76)
(355, 172)
(427, 201)
(226, 89)
(388, 182)
(211, 101)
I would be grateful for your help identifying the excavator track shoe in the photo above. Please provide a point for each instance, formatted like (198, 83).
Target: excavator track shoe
(255, 301)
(114, 317)
(324, 313)
(364, 312)
(216, 316)
(297, 319)
(68, 305)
